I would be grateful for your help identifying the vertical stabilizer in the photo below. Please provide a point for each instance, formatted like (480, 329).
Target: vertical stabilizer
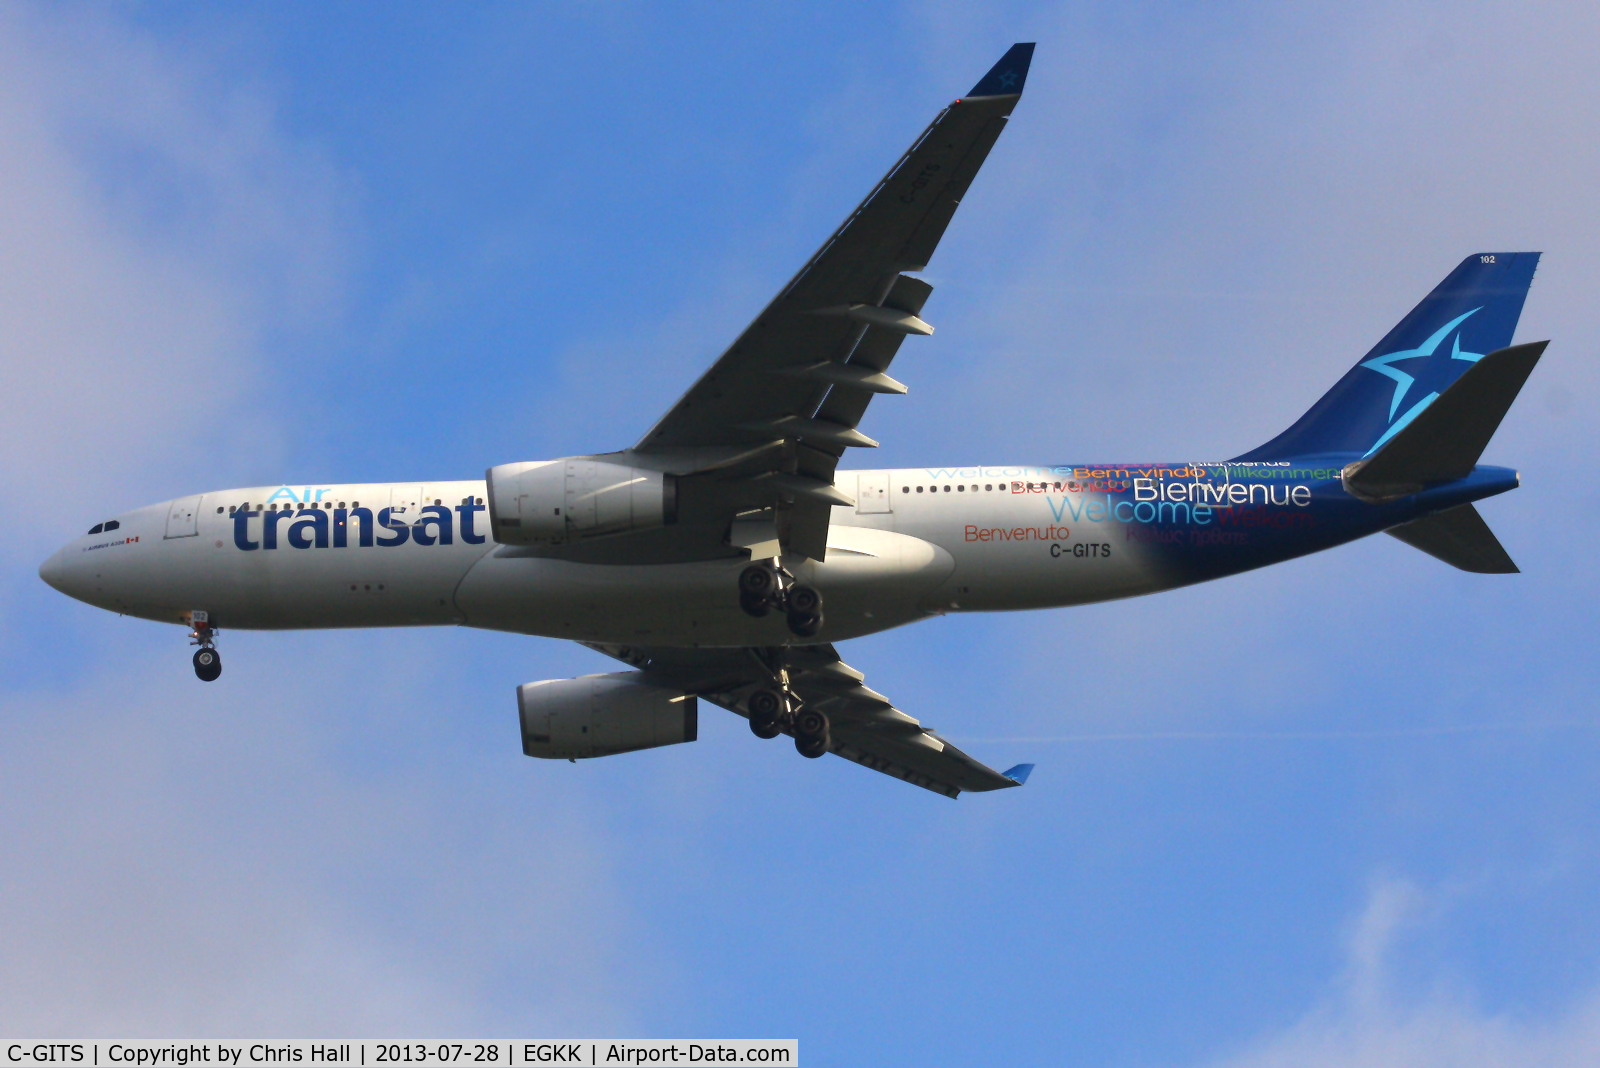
(1471, 313)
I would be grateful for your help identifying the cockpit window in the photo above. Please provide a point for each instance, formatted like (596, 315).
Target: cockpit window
(112, 525)
(97, 528)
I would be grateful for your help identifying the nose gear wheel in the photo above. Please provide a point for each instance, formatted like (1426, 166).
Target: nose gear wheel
(207, 661)
(207, 664)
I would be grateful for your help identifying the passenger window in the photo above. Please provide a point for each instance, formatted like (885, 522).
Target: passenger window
(97, 528)
(947, 489)
(919, 489)
(961, 489)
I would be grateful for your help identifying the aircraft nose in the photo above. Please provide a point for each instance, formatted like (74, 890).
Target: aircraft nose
(53, 571)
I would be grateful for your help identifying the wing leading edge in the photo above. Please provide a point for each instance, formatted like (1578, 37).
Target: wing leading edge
(864, 725)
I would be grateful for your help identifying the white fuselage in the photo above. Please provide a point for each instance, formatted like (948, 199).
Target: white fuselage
(917, 543)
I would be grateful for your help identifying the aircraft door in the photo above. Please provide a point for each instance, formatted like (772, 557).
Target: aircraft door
(872, 493)
(183, 517)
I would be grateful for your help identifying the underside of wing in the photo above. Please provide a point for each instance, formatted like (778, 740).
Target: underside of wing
(760, 434)
(863, 725)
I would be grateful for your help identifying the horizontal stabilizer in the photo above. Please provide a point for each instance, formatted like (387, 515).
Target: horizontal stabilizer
(1459, 537)
(1444, 440)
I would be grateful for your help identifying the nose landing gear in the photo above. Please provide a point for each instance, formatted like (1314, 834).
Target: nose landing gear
(207, 661)
(763, 587)
(207, 664)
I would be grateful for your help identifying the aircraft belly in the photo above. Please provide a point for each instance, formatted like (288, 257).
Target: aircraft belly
(349, 587)
(871, 581)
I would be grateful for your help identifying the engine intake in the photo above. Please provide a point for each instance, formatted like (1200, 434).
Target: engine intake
(553, 501)
(598, 715)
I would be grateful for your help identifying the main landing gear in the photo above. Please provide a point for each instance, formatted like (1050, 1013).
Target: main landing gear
(776, 709)
(207, 661)
(811, 733)
(763, 587)
(768, 712)
(772, 713)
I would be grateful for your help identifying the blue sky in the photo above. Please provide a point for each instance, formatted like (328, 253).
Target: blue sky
(1338, 812)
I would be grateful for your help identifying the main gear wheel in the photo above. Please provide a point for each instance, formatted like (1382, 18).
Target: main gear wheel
(767, 709)
(811, 735)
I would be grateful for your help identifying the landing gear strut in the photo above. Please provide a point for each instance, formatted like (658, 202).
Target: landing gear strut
(207, 661)
(763, 587)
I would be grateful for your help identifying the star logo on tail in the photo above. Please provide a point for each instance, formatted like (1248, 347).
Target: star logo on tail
(1403, 382)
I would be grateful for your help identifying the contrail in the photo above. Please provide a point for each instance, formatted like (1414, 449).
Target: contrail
(1290, 736)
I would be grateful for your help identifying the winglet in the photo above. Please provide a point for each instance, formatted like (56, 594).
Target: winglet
(1005, 78)
(1020, 773)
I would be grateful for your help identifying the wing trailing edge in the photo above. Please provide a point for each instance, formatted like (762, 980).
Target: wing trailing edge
(865, 726)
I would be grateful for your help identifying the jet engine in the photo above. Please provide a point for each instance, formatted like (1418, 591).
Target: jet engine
(555, 501)
(598, 715)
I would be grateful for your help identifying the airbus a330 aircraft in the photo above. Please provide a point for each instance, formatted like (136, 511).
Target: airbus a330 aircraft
(724, 554)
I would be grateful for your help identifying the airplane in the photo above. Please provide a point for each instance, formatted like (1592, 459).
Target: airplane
(724, 555)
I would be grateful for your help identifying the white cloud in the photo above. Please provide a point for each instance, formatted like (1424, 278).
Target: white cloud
(1368, 1020)
(218, 864)
(216, 861)
(156, 226)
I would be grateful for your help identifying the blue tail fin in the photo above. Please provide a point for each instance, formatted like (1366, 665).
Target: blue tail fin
(1471, 313)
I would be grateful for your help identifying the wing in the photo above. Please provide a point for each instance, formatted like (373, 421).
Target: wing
(760, 434)
(864, 725)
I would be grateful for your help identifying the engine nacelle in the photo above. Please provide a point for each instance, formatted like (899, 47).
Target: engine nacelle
(555, 501)
(598, 715)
